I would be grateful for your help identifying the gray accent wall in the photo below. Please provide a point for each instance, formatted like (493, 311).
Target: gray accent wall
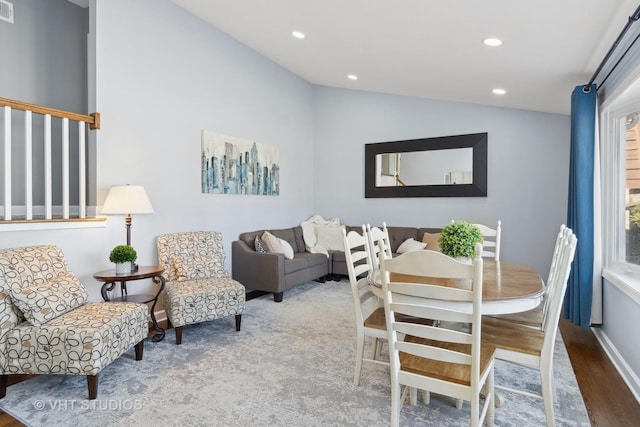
(528, 167)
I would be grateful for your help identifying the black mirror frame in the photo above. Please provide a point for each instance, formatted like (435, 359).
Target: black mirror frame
(476, 141)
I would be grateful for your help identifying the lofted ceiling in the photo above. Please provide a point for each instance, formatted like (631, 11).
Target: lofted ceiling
(431, 48)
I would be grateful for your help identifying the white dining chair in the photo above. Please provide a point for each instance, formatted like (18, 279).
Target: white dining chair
(532, 347)
(436, 359)
(370, 318)
(378, 243)
(491, 240)
(535, 318)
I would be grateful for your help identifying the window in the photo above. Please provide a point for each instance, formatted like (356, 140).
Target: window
(621, 189)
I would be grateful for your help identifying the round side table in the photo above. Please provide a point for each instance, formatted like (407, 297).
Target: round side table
(109, 277)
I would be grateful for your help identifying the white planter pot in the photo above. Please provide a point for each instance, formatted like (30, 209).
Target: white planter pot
(123, 267)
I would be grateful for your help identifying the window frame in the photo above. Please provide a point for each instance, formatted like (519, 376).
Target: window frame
(624, 275)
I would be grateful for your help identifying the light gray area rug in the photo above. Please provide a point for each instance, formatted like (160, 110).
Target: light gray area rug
(290, 365)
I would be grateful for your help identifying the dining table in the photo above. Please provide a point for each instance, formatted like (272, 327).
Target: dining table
(506, 287)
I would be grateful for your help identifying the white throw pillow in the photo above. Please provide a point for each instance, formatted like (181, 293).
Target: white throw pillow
(272, 242)
(411, 245)
(287, 249)
(330, 237)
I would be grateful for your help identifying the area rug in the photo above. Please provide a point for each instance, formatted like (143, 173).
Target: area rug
(290, 365)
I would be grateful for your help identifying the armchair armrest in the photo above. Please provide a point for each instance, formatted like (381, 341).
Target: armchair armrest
(257, 271)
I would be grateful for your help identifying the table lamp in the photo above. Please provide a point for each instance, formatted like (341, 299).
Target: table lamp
(127, 200)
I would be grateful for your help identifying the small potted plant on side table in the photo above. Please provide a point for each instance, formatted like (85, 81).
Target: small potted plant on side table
(458, 239)
(123, 256)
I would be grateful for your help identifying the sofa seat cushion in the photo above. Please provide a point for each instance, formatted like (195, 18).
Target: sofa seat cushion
(195, 301)
(338, 256)
(299, 262)
(314, 260)
(43, 302)
(82, 341)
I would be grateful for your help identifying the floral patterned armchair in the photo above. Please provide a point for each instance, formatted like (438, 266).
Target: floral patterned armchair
(47, 325)
(198, 287)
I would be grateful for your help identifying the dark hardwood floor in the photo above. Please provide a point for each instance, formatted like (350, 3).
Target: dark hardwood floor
(606, 396)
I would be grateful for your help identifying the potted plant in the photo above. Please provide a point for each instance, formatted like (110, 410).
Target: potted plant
(123, 256)
(458, 239)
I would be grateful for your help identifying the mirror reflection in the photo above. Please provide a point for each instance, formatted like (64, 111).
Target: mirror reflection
(436, 167)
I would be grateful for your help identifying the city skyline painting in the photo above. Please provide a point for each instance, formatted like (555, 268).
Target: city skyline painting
(232, 165)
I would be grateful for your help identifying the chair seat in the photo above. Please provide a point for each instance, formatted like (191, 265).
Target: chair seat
(194, 301)
(376, 320)
(82, 341)
(510, 336)
(531, 318)
(450, 372)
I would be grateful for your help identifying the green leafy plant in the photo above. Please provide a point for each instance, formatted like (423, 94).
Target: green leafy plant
(123, 253)
(459, 238)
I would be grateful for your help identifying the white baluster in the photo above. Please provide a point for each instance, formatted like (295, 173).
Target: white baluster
(81, 171)
(7, 163)
(65, 168)
(28, 165)
(48, 199)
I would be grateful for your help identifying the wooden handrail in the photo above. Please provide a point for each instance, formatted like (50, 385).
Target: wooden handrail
(92, 119)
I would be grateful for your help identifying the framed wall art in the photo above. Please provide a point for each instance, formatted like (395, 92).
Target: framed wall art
(232, 165)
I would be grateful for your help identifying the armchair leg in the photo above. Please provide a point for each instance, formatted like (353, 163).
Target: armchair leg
(139, 350)
(3, 385)
(238, 321)
(277, 297)
(92, 382)
(178, 335)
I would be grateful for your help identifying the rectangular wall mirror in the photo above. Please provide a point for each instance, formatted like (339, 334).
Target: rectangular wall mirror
(448, 166)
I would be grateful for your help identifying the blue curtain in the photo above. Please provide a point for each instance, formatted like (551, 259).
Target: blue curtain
(577, 303)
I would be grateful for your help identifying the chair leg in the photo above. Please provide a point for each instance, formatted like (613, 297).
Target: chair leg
(491, 410)
(546, 378)
(413, 396)
(3, 385)
(359, 356)
(277, 296)
(374, 348)
(92, 382)
(139, 350)
(238, 321)
(178, 335)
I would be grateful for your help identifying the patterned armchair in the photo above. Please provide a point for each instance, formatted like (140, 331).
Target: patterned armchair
(198, 287)
(48, 327)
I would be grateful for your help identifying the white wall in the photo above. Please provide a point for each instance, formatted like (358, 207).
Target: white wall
(528, 167)
(162, 77)
(619, 340)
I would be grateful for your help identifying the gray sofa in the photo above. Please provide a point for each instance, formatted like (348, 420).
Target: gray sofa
(273, 273)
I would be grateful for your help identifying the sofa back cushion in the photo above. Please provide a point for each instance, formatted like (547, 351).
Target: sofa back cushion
(292, 235)
(23, 267)
(191, 255)
(397, 235)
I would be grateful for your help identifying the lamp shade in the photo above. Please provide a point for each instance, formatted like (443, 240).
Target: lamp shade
(127, 199)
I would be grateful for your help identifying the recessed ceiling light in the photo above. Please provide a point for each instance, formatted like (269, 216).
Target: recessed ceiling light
(498, 91)
(298, 34)
(352, 77)
(493, 42)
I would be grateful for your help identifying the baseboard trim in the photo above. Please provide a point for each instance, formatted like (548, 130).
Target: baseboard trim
(625, 371)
